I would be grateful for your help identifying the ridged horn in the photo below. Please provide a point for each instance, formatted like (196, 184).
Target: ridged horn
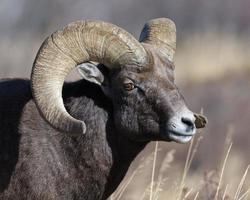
(61, 52)
(161, 33)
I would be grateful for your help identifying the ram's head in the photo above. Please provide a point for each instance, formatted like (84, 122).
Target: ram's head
(139, 79)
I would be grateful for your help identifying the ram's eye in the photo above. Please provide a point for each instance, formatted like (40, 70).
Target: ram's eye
(128, 86)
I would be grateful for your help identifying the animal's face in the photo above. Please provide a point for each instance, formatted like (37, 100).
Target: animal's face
(147, 103)
(140, 82)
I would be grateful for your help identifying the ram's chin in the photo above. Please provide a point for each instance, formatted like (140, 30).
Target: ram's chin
(180, 138)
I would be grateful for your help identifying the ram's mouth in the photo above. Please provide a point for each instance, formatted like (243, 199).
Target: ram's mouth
(180, 137)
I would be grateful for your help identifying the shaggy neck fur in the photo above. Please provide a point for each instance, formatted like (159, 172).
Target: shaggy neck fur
(45, 164)
(112, 151)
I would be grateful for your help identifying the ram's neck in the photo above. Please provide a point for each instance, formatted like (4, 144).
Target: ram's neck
(124, 152)
(112, 152)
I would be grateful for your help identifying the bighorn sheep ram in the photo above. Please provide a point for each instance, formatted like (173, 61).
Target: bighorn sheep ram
(77, 140)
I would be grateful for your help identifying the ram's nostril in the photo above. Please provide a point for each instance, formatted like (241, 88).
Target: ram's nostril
(190, 124)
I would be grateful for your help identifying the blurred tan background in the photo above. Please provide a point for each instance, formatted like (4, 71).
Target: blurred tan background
(212, 70)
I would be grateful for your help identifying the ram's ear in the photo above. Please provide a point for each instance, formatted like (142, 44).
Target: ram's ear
(90, 72)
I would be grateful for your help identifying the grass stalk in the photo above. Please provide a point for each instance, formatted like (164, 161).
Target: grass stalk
(187, 194)
(153, 172)
(196, 196)
(119, 195)
(239, 189)
(244, 195)
(185, 171)
(222, 171)
(225, 192)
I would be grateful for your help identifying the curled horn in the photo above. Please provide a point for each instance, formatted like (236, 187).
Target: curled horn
(161, 33)
(61, 52)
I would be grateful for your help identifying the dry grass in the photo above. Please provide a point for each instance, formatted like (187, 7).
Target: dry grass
(210, 56)
(211, 186)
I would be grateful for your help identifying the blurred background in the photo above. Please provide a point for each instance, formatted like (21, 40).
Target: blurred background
(212, 71)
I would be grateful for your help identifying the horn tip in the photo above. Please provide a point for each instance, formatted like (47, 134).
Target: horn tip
(82, 128)
(77, 129)
(163, 20)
